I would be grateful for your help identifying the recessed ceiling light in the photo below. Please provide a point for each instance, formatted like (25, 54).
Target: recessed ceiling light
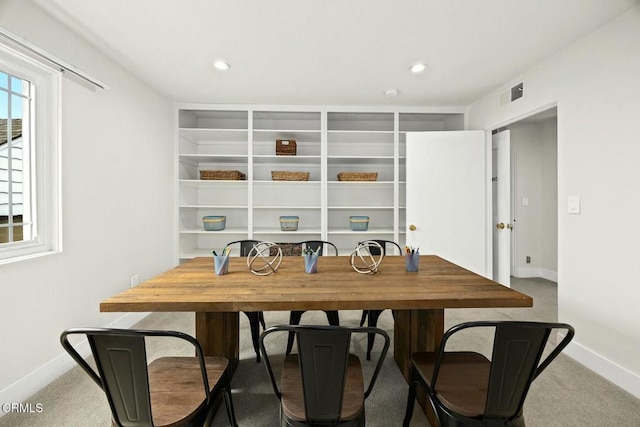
(390, 93)
(221, 65)
(417, 68)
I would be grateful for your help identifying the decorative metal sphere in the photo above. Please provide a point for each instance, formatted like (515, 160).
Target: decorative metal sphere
(363, 261)
(261, 262)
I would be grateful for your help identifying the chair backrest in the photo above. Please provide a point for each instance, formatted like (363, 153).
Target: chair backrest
(318, 245)
(375, 251)
(517, 350)
(323, 353)
(121, 359)
(245, 245)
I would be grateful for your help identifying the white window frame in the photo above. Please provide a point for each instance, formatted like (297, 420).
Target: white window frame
(45, 157)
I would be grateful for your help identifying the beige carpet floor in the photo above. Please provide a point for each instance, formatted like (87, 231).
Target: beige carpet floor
(567, 394)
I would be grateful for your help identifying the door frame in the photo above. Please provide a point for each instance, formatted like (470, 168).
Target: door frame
(489, 189)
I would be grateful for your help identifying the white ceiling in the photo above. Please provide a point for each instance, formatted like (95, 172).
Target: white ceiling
(332, 52)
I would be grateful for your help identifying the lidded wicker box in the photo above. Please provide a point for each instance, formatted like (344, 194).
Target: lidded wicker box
(359, 222)
(289, 222)
(286, 147)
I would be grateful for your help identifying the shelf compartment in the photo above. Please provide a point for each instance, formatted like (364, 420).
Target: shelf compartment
(269, 219)
(296, 120)
(214, 119)
(196, 159)
(287, 193)
(214, 135)
(348, 121)
(278, 231)
(201, 230)
(286, 160)
(197, 194)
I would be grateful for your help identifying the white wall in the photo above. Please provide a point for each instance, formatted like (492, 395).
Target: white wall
(117, 206)
(596, 86)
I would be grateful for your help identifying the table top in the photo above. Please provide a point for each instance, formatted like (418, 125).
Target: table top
(193, 286)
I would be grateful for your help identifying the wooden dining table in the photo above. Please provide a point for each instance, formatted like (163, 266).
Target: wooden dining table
(418, 299)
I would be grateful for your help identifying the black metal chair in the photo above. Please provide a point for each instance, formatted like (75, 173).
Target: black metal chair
(256, 318)
(373, 315)
(468, 389)
(323, 384)
(295, 317)
(176, 391)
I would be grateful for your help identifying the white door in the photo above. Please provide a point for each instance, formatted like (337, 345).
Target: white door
(446, 196)
(501, 147)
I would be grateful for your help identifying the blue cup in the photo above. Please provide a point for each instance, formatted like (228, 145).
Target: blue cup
(221, 264)
(412, 261)
(311, 263)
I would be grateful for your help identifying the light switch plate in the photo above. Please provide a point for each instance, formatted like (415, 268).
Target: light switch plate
(525, 201)
(574, 204)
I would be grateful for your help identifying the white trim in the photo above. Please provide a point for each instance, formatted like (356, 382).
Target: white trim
(523, 273)
(45, 161)
(549, 275)
(36, 380)
(610, 370)
(45, 57)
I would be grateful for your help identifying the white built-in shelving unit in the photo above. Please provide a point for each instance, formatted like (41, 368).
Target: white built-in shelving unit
(329, 141)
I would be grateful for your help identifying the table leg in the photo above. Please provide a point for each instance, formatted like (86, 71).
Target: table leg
(218, 334)
(417, 330)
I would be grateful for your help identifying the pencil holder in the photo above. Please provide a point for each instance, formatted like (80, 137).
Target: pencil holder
(311, 263)
(412, 261)
(221, 264)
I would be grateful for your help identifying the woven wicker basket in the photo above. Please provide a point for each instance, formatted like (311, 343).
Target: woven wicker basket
(222, 174)
(357, 176)
(289, 176)
(286, 147)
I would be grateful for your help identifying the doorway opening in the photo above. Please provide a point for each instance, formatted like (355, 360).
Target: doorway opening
(533, 205)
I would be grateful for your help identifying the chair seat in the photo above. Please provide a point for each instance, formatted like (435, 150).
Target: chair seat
(293, 399)
(176, 390)
(462, 381)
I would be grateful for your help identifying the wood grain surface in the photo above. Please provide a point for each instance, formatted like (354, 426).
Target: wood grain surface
(193, 286)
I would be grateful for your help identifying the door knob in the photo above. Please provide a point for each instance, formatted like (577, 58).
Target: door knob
(500, 226)
(412, 227)
(510, 226)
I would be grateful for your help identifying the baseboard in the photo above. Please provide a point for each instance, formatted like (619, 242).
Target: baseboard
(613, 372)
(549, 275)
(526, 273)
(43, 375)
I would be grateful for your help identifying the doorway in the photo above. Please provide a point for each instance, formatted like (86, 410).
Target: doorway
(534, 198)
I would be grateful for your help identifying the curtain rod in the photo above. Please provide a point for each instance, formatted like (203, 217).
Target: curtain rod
(36, 53)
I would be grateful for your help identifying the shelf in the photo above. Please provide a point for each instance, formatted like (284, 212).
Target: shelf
(294, 160)
(277, 230)
(212, 233)
(197, 183)
(370, 231)
(360, 160)
(360, 207)
(213, 206)
(290, 207)
(283, 183)
(368, 183)
(200, 135)
(196, 159)
(328, 143)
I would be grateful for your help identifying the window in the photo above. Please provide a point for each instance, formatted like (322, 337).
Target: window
(29, 157)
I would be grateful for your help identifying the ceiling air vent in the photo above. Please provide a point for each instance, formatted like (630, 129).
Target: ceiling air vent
(517, 91)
